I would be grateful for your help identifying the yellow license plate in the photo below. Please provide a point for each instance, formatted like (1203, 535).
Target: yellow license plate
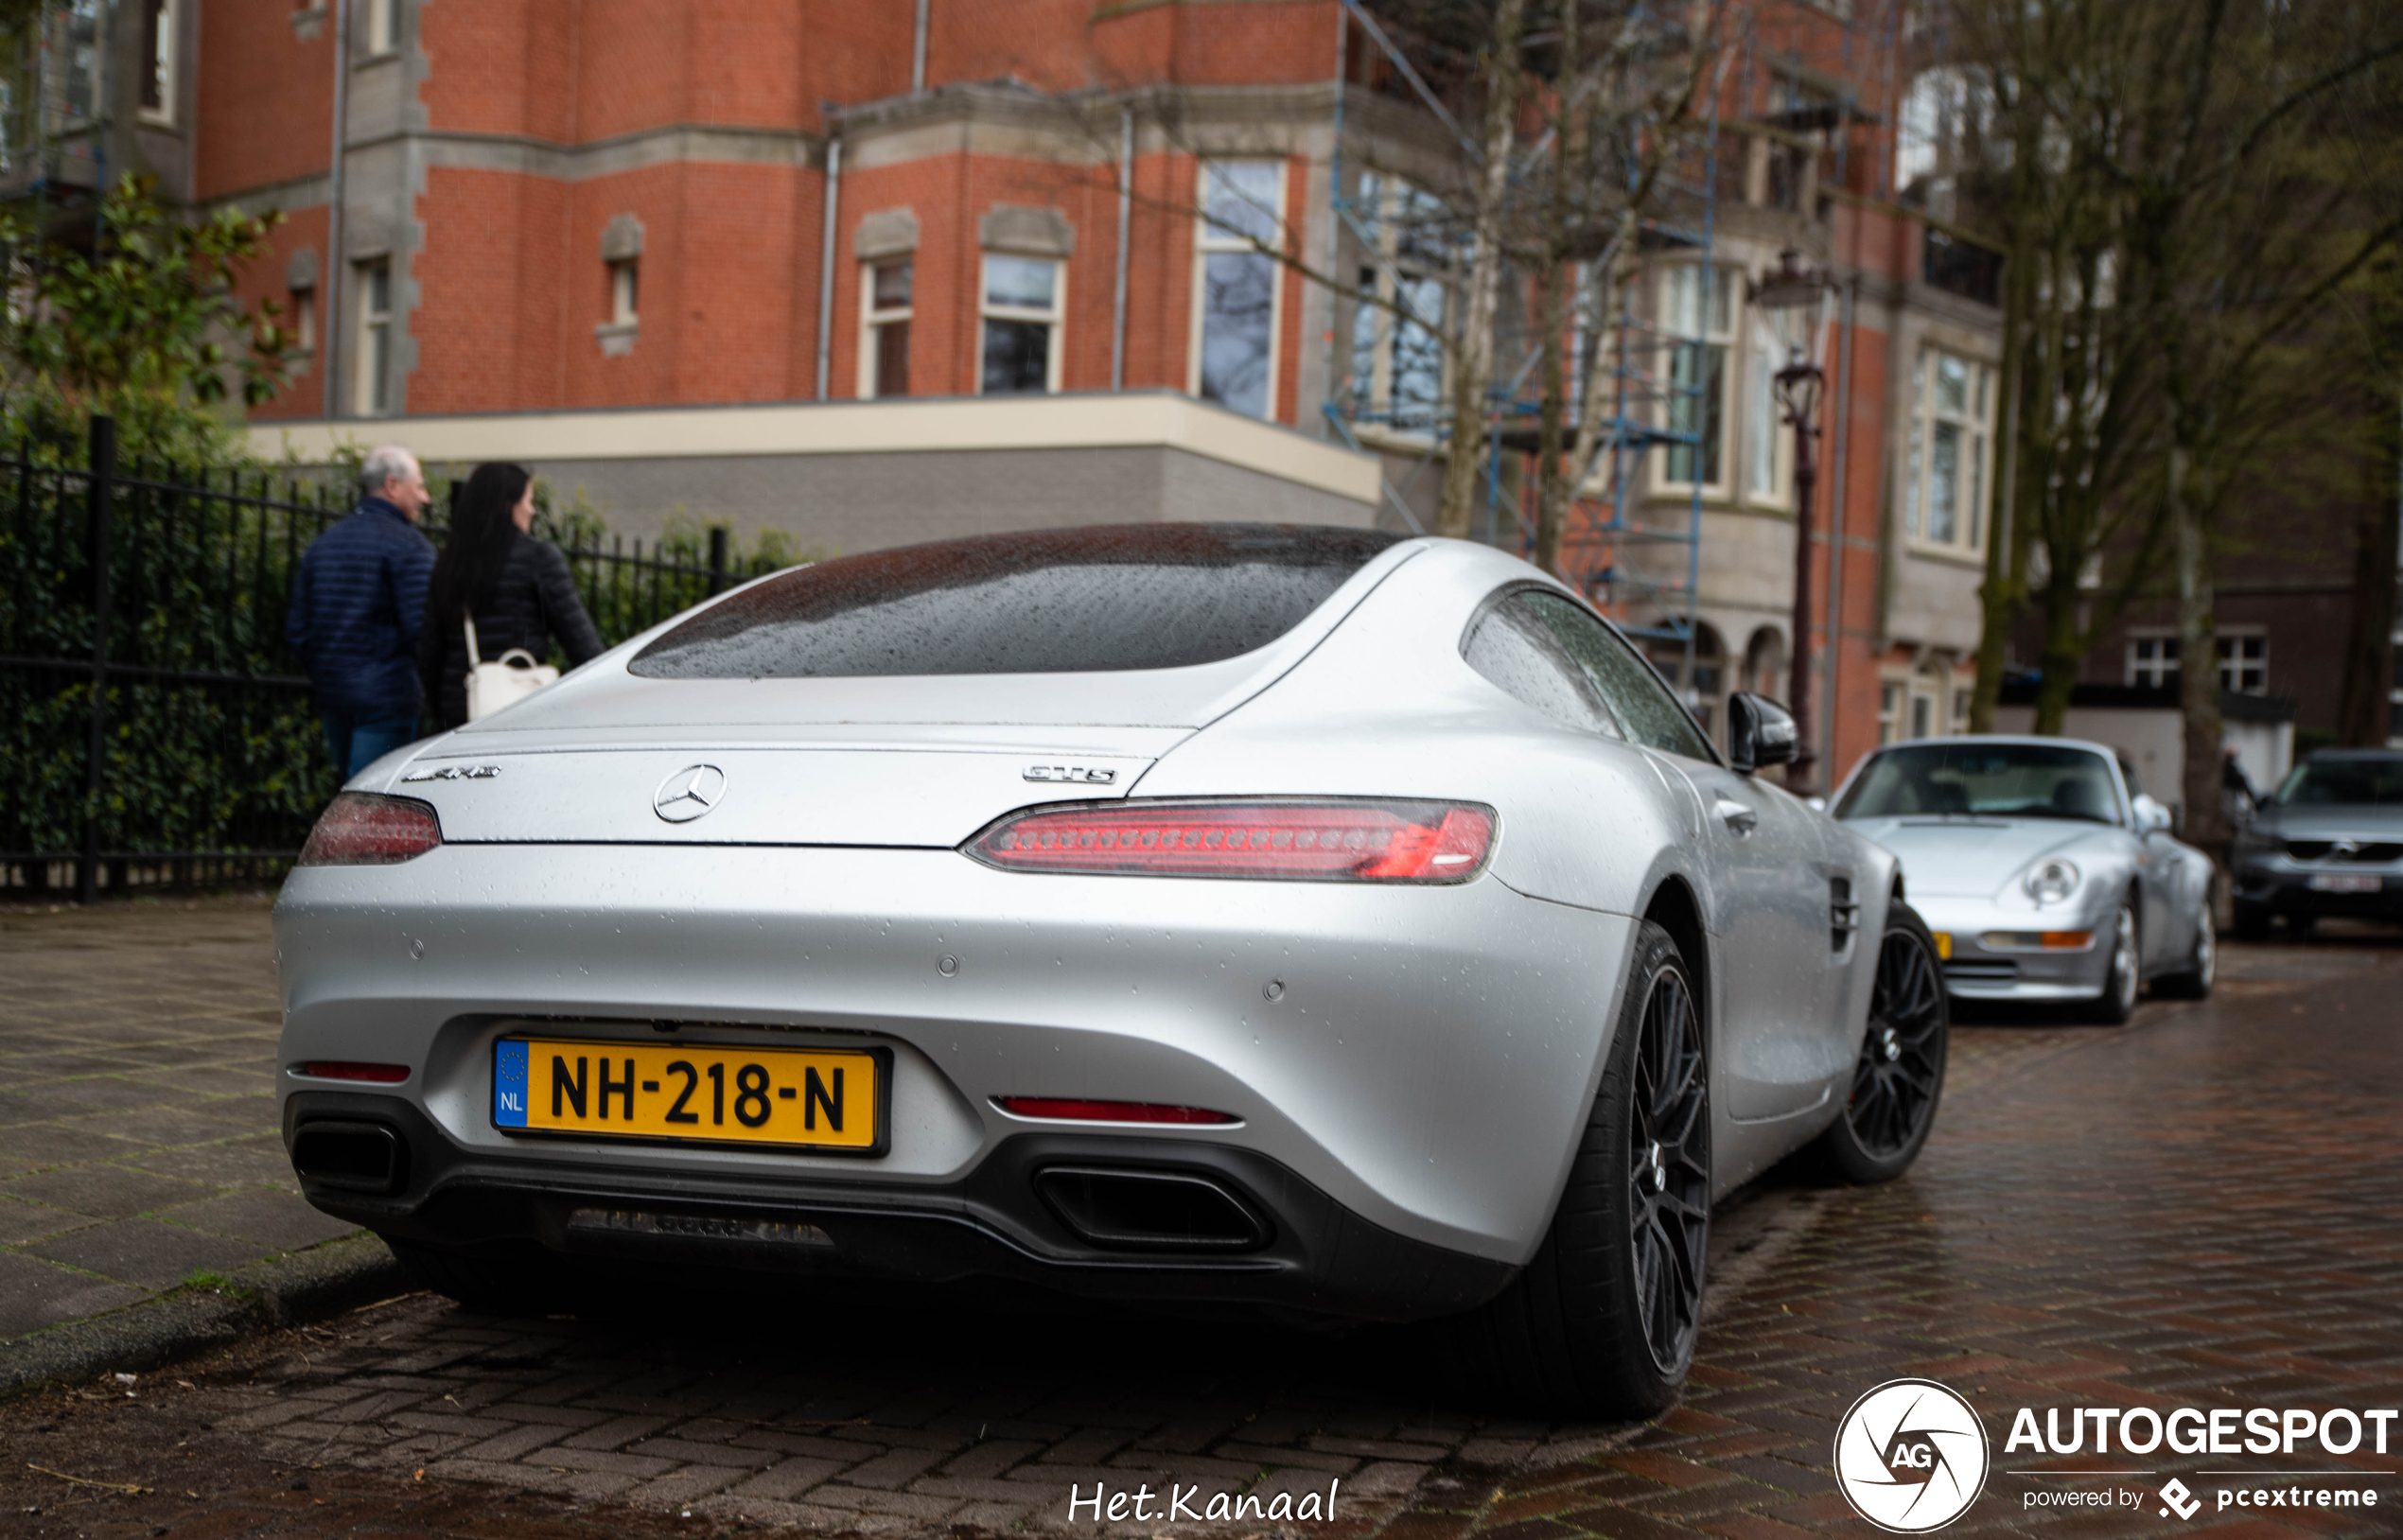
(1943, 944)
(832, 1100)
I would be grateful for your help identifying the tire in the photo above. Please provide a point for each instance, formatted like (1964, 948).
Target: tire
(2117, 1001)
(2249, 921)
(1602, 1323)
(491, 1285)
(1898, 1079)
(2194, 981)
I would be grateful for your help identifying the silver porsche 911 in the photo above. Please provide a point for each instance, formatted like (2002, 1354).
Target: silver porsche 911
(2045, 874)
(1294, 918)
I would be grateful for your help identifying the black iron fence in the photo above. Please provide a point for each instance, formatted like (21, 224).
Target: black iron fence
(155, 731)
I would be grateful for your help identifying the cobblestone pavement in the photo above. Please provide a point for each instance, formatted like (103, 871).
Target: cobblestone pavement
(2201, 1209)
(138, 1136)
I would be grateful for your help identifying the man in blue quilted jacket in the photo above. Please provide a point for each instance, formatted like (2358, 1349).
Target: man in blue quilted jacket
(357, 604)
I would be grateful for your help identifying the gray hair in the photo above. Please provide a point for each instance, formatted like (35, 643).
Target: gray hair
(385, 462)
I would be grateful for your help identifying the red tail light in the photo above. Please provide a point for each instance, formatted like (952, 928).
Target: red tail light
(1350, 842)
(343, 1069)
(1077, 1110)
(364, 829)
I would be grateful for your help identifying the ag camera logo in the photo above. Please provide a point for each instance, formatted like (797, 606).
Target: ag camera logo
(1910, 1456)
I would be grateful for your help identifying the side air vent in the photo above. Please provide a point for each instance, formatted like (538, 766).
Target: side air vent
(1149, 1211)
(1844, 916)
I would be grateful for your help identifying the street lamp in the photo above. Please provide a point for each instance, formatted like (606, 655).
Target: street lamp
(1793, 288)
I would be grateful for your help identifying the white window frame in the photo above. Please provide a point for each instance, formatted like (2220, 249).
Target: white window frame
(1974, 423)
(626, 291)
(2229, 645)
(303, 319)
(1209, 238)
(1390, 202)
(872, 320)
(1720, 328)
(383, 27)
(1054, 318)
(372, 380)
(162, 66)
(2150, 662)
(1762, 416)
(1893, 691)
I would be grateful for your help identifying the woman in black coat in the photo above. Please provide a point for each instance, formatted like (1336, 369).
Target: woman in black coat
(515, 586)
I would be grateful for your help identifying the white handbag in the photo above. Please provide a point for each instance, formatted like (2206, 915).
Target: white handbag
(505, 682)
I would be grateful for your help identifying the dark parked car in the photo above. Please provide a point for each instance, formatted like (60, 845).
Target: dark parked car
(2330, 842)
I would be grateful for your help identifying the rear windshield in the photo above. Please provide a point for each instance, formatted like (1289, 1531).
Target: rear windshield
(1077, 601)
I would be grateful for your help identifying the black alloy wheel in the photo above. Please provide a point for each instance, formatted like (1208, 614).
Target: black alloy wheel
(1669, 1172)
(1602, 1321)
(1898, 1077)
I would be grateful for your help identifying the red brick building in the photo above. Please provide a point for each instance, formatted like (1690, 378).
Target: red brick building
(882, 272)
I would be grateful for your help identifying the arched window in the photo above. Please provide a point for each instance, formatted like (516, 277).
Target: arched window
(1706, 691)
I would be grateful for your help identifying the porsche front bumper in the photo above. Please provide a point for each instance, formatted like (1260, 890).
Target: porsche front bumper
(1975, 970)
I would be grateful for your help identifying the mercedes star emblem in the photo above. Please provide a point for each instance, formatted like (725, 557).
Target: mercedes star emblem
(690, 793)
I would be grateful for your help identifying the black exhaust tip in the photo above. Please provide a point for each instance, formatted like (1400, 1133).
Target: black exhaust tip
(356, 1157)
(1149, 1211)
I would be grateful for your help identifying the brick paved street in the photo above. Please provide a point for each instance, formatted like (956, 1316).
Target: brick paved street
(2200, 1209)
(139, 1141)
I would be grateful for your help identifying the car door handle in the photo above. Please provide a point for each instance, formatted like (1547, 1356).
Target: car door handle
(1738, 817)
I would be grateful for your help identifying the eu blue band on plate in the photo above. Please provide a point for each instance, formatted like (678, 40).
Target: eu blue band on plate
(509, 1084)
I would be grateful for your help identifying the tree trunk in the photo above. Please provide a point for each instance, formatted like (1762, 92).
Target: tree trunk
(2365, 712)
(1473, 362)
(2062, 653)
(2197, 663)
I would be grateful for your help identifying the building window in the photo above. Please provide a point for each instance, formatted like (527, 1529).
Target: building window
(304, 320)
(1961, 699)
(885, 342)
(2244, 663)
(1397, 351)
(626, 277)
(1236, 287)
(158, 62)
(1944, 492)
(1705, 692)
(384, 26)
(374, 385)
(1890, 710)
(1697, 319)
(2152, 660)
(1760, 424)
(1022, 325)
(84, 53)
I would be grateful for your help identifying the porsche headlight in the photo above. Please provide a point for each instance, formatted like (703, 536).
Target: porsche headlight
(2049, 882)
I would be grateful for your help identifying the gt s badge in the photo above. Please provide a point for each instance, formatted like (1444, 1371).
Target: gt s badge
(1082, 775)
(454, 772)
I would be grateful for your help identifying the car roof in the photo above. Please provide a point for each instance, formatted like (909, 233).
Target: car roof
(2370, 755)
(2029, 739)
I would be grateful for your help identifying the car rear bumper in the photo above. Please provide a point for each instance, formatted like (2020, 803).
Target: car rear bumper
(1303, 1254)
(1422, 1070)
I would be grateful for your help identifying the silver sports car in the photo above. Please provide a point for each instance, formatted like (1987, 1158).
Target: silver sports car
(2044, 872)
(1286, 918)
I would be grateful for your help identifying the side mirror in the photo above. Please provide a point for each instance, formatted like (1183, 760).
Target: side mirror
(1760, 733)
(2151, 817)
